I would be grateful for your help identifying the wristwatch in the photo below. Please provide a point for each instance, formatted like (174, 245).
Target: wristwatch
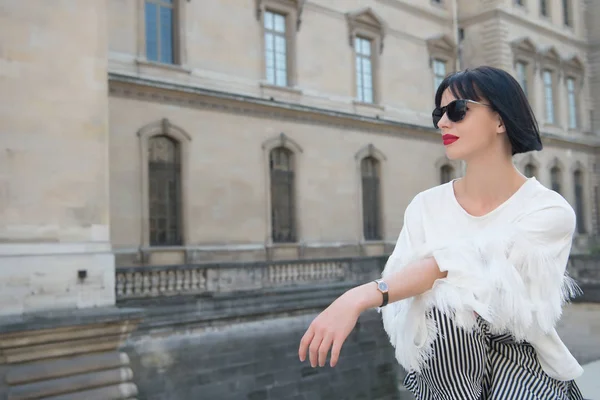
(383, 288)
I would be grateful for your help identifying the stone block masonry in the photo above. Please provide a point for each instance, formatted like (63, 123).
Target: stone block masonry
(259, 361)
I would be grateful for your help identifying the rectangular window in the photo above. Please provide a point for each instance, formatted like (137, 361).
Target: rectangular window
(522, 75)
(159, 31)
(549, 96)
(364, 70)
(276, 48)
(544, 8)
(572, 101)
(567, 12)
(439, 73)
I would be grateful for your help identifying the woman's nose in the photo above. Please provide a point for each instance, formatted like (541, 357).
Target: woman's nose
(444, 122)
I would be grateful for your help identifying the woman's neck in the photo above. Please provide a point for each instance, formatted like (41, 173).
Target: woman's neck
(489, 180)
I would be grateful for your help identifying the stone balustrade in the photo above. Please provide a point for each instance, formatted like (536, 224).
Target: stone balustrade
(198, 279)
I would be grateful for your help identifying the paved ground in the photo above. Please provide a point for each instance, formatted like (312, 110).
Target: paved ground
(580, 330)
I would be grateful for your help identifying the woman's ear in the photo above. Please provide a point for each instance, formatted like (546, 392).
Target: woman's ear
(500, 128)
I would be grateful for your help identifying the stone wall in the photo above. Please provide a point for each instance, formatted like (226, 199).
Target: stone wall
(54, 210)
(259, 361)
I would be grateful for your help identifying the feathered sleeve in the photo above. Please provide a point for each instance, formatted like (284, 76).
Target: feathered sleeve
(513, 275)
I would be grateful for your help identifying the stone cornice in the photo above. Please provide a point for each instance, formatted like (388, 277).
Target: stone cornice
(188, 96)
(440, 15)
(503, 13)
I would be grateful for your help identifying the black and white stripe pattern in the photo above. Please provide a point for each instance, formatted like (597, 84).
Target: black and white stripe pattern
(481, 366)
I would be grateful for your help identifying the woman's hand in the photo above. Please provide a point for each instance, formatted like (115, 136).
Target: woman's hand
(330, 329)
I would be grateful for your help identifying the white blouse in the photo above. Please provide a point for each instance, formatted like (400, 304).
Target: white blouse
(508, 266)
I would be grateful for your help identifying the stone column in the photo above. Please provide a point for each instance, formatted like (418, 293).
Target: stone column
(55, 248)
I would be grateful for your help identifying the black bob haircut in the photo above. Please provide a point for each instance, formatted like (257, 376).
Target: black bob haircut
(505, 96)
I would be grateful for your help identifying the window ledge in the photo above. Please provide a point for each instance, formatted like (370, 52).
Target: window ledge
(285, 89)
(163, 248)
(374, 106)
(163, 66)
(377, 242)
(290, 245)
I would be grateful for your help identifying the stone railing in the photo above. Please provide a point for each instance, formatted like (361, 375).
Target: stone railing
(187, 280)
(585, 269)
(198, 279)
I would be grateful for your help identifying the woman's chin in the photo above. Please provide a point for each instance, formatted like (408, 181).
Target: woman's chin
(454, 154)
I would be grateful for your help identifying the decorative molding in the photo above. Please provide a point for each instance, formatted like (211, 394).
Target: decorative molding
(367, 22)
(549, 57)
(150, 90)
(555, 162)
(578, 166)
(544, 29)
(442, 47)
(167, 128)
(163, 127)
(370, 151)
(574, 66)
(297, 5)
(282, 140)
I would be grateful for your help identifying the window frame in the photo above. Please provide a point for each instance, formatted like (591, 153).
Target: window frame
(282, 140)
(366, 24)
(166, 128)
(179, 34)
(292, 10)
(373, 152)
(579, 202)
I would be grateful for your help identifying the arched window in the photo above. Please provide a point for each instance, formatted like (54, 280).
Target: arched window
(579, 209)
(446, 173)
(283, 214)
(371, 198)
(164, 184)
(555, 179)
(530, 170)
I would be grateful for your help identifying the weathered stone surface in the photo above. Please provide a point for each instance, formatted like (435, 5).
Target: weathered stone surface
(64, 367)
(259, 360)
(54, 211)
(67, 353)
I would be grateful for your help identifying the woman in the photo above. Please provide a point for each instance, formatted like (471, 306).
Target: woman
(476, 283)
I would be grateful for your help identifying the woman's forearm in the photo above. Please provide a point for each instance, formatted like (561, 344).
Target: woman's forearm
(414, 279)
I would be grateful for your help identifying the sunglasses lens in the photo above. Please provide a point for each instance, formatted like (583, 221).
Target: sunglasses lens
(457, 110)
(436, 115)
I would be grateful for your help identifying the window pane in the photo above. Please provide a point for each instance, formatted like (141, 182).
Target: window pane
(166, 35)
(280, 44)
(151, 31)
(268, 19)
(548, 93)
(281, 77)
(279, 23)
(164, 191)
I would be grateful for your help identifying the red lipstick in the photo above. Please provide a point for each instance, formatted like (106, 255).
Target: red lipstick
(449, 139)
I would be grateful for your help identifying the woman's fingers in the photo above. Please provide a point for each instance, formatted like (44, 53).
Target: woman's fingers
(313, 349)
(335, 351)
(324, 349)
(305, 342)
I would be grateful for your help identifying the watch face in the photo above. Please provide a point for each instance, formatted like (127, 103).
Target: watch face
(382, 286)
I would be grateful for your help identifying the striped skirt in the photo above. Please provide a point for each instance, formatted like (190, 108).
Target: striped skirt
(481, 366)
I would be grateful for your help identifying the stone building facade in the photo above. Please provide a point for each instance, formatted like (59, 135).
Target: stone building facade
(301, 129)
(182, 131)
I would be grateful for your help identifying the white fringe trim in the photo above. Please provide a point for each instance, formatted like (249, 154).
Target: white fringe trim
(514, 284)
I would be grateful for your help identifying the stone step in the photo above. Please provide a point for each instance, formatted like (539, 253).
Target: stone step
(51, 369)
(62, 386)
(123, 391)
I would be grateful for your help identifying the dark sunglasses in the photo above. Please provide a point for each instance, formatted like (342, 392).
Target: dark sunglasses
(456, 111)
